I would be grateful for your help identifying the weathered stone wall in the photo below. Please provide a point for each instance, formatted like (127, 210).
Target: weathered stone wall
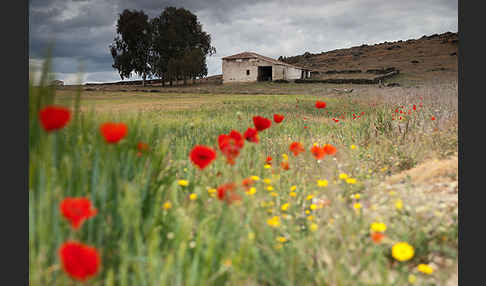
(235, 70)
(278, 72)
(292, 73)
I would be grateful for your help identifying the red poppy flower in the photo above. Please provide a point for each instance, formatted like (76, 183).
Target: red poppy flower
(230, 145)
(432, 118)
(261, 123)
(414, 107)
(76, 210)
(79, 261)
(54, 117)
(329, 149)
(377, 237)
(320, 104)
(251, 134)
(318, 152)
(296, 148)
(202, 156)
(227, 193)
(142, 146)
(269, 160)
(113, 132)
(278, 118)
(247, 183)
(285, 165)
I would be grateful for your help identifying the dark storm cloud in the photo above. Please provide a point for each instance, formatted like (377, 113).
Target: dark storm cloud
(82, 30)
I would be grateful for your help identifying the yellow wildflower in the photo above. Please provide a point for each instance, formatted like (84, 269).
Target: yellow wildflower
(269, 188)
(313, 227)
(281, 239)
(293, 188)
(309, 197)
(425, 268)
(322, 183)
(384, 169)
(285, 206)
(193, 197)
(167, 205)
(267, 166)
(255, 178)
(307, 211)
(212, 191)
(274, 194)
(251, 191)
(353, 147)
(183, 183)
(313, 207)
(378, 227)
(227, 262)
(412, 278)
(274, 221)
(399, 204)
(343, 176)
(267, 181)
(351, 181)
(293, 194)
(402, 251)
(285, 157)
(310, 218)
(357, 206)
(356, 196)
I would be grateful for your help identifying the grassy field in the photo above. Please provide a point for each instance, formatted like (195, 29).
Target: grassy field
(292, 229)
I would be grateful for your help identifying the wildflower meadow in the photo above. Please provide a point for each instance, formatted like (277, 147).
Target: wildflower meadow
(283, 189)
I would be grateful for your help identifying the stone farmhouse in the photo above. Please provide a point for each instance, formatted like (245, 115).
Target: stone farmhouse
(252, 67)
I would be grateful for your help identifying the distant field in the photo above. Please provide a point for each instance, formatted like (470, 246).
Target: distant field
(293, 229)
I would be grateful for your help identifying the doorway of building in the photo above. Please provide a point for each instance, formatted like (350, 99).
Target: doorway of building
(265, 73)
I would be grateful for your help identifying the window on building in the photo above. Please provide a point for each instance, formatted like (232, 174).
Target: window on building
(247, 72)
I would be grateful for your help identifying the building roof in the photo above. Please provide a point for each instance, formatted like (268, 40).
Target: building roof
(251, 55)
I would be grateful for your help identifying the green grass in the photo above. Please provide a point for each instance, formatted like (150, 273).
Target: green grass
(207, 242)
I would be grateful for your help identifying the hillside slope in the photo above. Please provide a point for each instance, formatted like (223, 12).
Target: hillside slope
(429, 57)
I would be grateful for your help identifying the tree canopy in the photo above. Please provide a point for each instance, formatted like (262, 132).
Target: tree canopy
(171, 46)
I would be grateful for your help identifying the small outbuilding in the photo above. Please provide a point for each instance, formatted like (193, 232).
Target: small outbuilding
(252, 67)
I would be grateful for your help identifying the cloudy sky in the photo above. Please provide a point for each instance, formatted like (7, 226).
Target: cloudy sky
(82, 30)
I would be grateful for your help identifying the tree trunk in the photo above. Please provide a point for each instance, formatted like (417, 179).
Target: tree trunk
(143, 79)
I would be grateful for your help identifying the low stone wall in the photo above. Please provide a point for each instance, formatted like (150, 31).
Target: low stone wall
(381, 71)
(375, 80)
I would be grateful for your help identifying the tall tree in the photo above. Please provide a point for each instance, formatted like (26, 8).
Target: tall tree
(132, 47)
(176, 34)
